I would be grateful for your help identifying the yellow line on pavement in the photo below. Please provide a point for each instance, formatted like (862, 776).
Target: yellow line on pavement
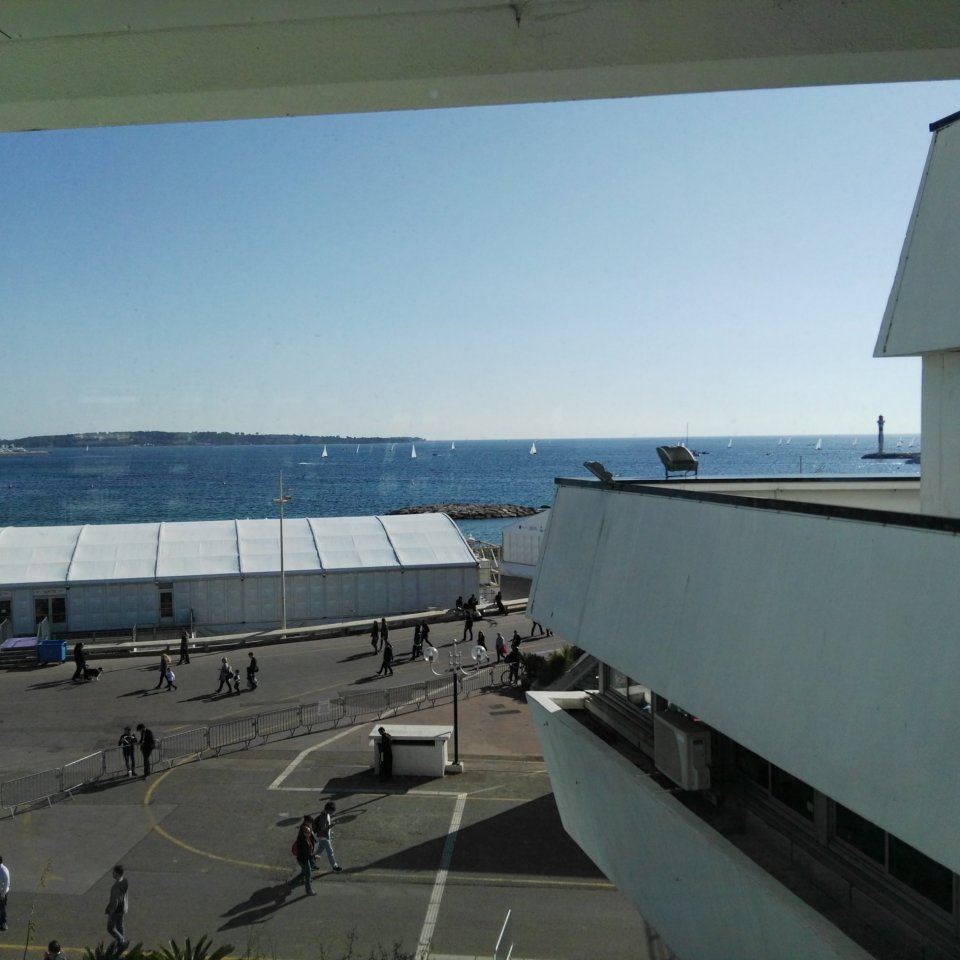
(148, 797)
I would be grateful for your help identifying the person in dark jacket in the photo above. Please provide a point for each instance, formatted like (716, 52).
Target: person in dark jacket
(375, 636)
(128, 743)
(384, 632)
(117, 908)
(147, 743)
(252, 671)
(80, 661)
(385, 753)
(304, 848)
(387, 665)
(184, 648)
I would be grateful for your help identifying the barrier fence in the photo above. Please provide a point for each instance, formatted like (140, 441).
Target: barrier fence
(348, 708)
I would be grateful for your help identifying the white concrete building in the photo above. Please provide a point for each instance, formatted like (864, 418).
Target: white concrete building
(223, 576)
(521, 544)
(768, 765)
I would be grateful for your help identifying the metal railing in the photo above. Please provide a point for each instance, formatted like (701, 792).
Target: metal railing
(349, 708)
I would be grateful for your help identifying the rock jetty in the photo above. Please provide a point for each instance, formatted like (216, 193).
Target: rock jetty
(473, 511)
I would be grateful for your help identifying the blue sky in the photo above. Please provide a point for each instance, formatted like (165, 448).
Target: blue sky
(718, 263)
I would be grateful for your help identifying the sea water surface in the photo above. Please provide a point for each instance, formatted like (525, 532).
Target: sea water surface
(141, 484)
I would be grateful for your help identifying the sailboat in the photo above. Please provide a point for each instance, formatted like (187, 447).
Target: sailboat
(533, 449)
(855, 440)
(730, 443)
(413, 452)
(453, 446)
(788, 440)
(358, 448)
(780, 442)
(819, 445)
(324, 451)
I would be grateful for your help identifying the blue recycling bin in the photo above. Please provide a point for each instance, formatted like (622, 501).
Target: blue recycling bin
(51, 651)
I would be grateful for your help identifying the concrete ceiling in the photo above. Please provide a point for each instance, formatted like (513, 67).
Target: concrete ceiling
(81, 63)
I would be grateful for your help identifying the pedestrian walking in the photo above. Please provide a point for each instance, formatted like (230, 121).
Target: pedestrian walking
(128, 743)
(164, 667)
(4, 893)
(236, 681)
(323, 829)
(117, 907)
(54, 951)
(171, 679)
(384, 632)
(481, 640)
(424, 634)
(375, 636)
(303, 849)
(417, 643)
(501, 647)
(468, 624)
(498, 600)
(184, 648)
(226, 675)
(385, 754)
(386, 666)
(147, 743)
(252, 671)
(80, 662)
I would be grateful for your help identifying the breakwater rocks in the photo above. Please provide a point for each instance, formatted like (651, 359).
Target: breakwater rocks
(473, 511)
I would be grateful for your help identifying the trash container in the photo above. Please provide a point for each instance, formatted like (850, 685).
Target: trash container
(51, 651)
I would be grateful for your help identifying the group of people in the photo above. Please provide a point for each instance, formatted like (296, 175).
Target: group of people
(230, 676)
(129, 743)
(313, 833)
(380, 641)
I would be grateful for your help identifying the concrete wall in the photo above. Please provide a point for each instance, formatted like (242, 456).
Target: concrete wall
(827, 646)
(704, 897)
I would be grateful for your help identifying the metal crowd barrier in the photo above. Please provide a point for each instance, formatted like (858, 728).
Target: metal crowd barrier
(185, 745)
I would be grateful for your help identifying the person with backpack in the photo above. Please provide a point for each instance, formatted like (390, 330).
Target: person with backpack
(303, 849)
(323, 830)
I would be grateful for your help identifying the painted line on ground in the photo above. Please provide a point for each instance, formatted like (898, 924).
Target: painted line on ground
(295, 762)
(436, 895)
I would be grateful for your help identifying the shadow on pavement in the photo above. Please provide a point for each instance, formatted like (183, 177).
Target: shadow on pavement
(259, 906)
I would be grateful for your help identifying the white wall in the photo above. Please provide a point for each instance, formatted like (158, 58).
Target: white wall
(706, 899)
(827, 646)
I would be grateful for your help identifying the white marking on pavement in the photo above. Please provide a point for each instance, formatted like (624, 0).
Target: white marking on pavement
(292, 765)
(436, 895)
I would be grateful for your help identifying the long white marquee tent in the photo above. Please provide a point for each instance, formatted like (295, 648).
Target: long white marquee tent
(224, 575)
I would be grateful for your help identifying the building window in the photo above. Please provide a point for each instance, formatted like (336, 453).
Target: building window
(6, 609)
(791, 792)
(166, 604)
(58, 609)
(623, 686)
(907, 864)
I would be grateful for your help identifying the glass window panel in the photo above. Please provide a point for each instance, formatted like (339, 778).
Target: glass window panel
(862, 834)
(794, 793)
(753, 766)
(927, 877)
(58, 610)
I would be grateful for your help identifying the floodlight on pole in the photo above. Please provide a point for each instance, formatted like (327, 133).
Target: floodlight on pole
(280, 501)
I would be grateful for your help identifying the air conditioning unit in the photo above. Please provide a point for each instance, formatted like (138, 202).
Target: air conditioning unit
(681, 750)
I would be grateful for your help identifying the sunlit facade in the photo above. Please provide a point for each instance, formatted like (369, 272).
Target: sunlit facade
(766, 766)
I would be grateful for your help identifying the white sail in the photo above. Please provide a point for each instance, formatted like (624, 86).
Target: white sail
(453, 445)
(788, 439)
(780, 441)
(413, 452)
(855, 440)
(324, 451)
(729, 443)
(819, 445)
(358, 448)
(533, 449)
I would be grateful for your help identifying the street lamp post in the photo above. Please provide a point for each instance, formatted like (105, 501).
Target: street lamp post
(455, 668)
(280, 501)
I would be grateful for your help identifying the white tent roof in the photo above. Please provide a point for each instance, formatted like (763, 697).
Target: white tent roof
(217, 548)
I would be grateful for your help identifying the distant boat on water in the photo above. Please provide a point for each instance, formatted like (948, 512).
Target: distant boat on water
(730, 443)
(819, 445)
(453, 445)
(324, 451)
(780, 442)
(533, 449)
(358, 448)
(788, 440)
(855, 440)
(413, 452)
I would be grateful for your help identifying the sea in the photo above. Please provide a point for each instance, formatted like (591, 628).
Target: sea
(144, 484)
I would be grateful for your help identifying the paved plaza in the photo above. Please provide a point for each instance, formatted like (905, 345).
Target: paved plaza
(431, 864)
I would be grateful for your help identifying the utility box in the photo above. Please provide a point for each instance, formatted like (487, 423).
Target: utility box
(51, 651)
(419, 750)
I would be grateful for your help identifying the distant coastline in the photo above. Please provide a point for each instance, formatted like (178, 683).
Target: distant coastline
(200, 438)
